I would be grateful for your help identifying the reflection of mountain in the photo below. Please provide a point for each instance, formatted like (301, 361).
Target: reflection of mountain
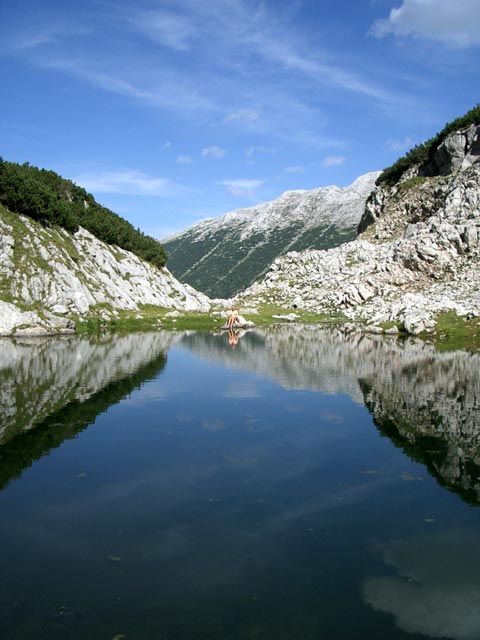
(53, 388)
(432, 411)
(426, 402)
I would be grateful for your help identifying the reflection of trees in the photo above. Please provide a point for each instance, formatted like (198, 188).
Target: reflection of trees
(426, 402)
(127, 362)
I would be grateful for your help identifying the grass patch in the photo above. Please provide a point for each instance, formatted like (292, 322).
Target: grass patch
(390, 324)
(453, 332)
(267, 311)
(148, 317)
(411, 183)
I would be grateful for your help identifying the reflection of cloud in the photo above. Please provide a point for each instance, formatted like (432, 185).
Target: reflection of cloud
(184, 417)
(335, 418)
(148, 393)
(213, 425)
(436, 590)
(238, 389)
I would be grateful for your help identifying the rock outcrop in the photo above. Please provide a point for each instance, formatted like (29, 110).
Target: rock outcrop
(50, 277)
(418, 252)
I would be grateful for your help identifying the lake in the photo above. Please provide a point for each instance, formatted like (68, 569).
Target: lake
(304, 483)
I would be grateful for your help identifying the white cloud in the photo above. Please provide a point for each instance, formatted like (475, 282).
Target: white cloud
(127, 182)
(455, 23)
(242, 187)
(245, 115)
(184, 160)
(214, 151)
(400, 145)
(167, 145)
(333, 161)
(294, 169)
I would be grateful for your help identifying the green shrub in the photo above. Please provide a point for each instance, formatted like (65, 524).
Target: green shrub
(47, 197)
(423, 153)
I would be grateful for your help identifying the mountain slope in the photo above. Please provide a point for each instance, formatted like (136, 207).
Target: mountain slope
(223, 255)
(50, 278)
(54, 201)
(418, 254)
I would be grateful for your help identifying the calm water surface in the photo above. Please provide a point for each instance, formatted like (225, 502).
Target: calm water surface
(304, 485)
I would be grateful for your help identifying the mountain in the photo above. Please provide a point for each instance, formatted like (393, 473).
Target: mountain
(50, 279)
(221, 256)
(418, 252)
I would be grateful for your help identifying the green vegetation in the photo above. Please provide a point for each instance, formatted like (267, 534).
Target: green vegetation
(148, 317)
(454, 332)
(412, 183)
(266, 312)
(50, 199)
(423, 153)
(221, 264)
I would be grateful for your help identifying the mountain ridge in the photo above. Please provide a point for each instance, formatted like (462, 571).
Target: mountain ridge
(222, 255)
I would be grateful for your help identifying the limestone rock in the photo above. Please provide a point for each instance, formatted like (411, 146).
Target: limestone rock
(418, 254)
(67, 276)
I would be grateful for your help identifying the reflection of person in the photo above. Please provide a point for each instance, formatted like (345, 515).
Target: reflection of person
(233, 337)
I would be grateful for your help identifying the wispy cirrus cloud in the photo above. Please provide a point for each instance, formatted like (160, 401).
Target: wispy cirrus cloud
(246, 115)
(226, 62)
(169, 29)
(239, 45)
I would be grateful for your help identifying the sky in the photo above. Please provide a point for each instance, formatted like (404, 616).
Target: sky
(172, 111)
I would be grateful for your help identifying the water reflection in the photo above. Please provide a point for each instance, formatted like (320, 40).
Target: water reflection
(434, 589)
(52, 388)
(234, 336)
(214, 504)
(427, 402)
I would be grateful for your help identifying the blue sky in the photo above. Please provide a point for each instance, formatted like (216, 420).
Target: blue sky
(173, 111)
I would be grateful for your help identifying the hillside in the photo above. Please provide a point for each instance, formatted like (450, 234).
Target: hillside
(51, 279)
(54, 201)
(417, 255)
(221, 256)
